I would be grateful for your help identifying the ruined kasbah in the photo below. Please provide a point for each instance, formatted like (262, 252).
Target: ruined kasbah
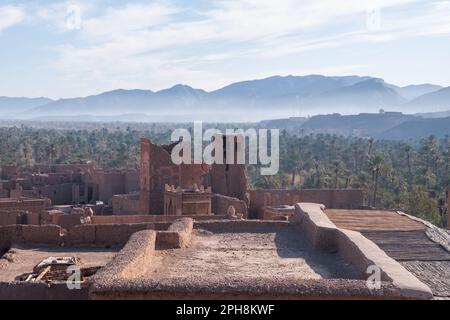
(197, 231)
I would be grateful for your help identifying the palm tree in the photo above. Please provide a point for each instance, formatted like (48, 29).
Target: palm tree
(375, 163)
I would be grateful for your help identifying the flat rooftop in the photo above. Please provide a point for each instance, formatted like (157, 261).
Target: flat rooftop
(242, 253)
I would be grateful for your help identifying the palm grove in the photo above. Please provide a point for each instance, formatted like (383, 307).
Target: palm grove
(410, 176)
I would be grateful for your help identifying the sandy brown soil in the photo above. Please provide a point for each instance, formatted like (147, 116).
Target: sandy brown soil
(241, 253)
(22, 259)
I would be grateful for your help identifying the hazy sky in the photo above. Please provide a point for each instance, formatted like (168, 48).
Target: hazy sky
(45, 50)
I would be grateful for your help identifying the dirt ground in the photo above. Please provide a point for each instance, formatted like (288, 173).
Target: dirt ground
(22, 259)
(241, 253)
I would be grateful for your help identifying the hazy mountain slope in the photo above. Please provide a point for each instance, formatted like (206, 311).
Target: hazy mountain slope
(414, 91)
(278, 86)
(366, 96)
(293, 124)
(439, 114)
(12, 106)
(431, 102)
(357, 125)
(105, 103)
(418, 129)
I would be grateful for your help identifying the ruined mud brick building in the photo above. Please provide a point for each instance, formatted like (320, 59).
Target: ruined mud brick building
(67, 183)
(165, 186)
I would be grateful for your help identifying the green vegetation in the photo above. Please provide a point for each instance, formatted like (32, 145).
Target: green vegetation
(412, 177)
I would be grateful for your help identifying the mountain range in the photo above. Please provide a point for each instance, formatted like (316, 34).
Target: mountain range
(269, 98)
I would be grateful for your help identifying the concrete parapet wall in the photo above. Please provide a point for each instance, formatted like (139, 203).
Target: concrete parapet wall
(356, 249)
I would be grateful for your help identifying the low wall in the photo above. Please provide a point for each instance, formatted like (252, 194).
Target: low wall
(134, 260)
(49, 234)
(149, 218)
(220, 205)
(331, 198)
(176, 234)
(356, 249)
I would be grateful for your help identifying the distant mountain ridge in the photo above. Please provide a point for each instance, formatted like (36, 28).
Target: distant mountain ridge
(388, 125)
(273, 97)
(14, 106)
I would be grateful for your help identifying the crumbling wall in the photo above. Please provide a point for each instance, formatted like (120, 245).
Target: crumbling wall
(25, 204)
(125, 204)
(157, 170)
(220, 205)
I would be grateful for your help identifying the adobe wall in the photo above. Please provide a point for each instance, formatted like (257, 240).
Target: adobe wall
(49, 234)
(59, 194)
(109, 184)
(125, 204)
(331, 198)
(131, 181)
(448, 209)
(220, 205)
(144, 177)
(82, 235)
(24, 204)
(130, 219)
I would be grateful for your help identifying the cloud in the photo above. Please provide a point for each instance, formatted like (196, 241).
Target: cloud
(154, 44)
(10, 16)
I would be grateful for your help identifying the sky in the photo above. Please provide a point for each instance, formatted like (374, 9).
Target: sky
(63, 49)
